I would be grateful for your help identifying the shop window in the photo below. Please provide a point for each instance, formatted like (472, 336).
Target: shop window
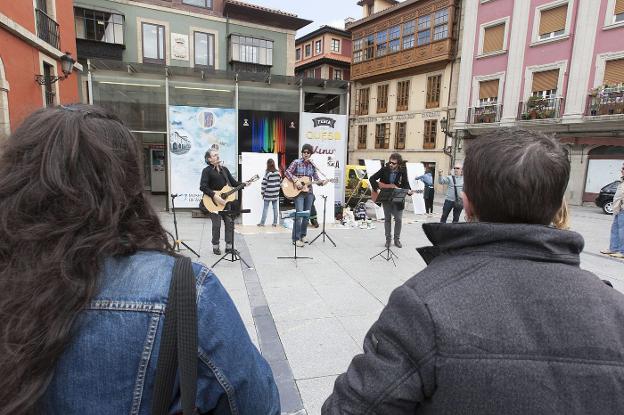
(153, 43)
(382, 98)
(206, 4)
(335, 45)
(434, 86)
(382, 136)
(362, 133)
(493, 38)
(402, 103)
(203, 44)
(361, 101)
(252, 50)
(429, 141)
(399, 139)
(552, 22)
(99, 26)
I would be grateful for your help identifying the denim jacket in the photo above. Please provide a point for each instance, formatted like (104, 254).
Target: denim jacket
(109, 366)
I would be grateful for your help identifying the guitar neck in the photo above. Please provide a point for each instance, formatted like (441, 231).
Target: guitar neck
(234, 190)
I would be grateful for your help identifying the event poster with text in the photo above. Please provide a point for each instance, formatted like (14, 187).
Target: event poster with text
(194, 130)
(327, 133)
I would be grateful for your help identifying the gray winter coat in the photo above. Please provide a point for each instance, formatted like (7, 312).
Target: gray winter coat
(502, 321)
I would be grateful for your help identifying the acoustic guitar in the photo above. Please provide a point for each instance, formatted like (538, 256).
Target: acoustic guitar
(382, 185)
(227, 193)
(290, 188)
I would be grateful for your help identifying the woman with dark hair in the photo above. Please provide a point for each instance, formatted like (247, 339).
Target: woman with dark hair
(85, 267)
(270, 192)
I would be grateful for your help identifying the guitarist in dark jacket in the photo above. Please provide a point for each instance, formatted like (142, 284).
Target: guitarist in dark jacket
(392, 173)
(214, 178)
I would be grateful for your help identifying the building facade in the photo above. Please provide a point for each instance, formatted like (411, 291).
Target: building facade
(34, 35)
(404, 77)
(551, 65)
(324, 54)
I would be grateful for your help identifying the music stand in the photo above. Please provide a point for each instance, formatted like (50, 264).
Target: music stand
(234, 253)
(178, 241)
(392, 196)
(323, 232)
(302, 214)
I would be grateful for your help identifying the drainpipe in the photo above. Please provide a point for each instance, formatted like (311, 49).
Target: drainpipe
(90, 82)
(454, 137)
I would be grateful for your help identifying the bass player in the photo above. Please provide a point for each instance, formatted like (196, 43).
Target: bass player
(302, 167)
(393, 174)
(214, 178)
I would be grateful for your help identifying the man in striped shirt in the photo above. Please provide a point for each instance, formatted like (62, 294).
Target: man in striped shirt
(303, 202)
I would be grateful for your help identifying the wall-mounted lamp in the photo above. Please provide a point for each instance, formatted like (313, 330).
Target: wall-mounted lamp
(67, 66)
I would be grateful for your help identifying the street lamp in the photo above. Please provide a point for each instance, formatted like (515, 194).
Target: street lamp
(67, 66)
(444, 127)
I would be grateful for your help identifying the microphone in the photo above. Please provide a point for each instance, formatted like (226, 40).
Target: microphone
(173, 196)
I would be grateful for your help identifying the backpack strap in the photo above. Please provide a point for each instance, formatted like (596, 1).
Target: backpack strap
(178, 344)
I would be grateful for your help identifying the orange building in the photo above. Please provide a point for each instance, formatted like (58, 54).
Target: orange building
(37, 41)
(324, 54)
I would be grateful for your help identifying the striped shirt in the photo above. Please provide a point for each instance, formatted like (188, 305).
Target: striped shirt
(271, 185)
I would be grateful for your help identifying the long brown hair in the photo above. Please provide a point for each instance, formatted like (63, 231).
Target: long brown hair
(70, 196)
(270, 166)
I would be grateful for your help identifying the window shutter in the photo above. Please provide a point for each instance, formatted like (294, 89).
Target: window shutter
(553, 20)
(619, 7)
(546, 80)
(614, 71)
(493, 38)
(488, 89)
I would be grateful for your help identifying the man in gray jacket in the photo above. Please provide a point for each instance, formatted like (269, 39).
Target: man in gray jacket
(502, 320)
(455, 186)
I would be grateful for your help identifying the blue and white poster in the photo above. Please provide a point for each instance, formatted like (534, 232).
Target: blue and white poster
(193, 131)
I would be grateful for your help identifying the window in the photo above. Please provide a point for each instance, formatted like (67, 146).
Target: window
(204, 49)
(357, 50)
(338, 74)
(49, 92)
(362, 133)
(399, 133)
(308, 50)
(553, 22)
(434, 85)
(206, 4)
(382, 98)
(424, 30)
(382, 44)
(153, 43)
(440, 30)
(493, 38)
(488, 92)
(408, 34)
(402, 95)
(395, 39)
(382, 136)
(251, 50)
(361, 101)
(618, 12)
(614, 72)
(99, 26)
(298, 54)
(335, 45)
(545, 84)
(318, 47)
(429, 139)
(369, 47)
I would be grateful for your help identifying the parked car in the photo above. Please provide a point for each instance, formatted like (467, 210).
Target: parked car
(605, 197)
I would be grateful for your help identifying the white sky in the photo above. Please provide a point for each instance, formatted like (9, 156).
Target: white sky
(321, 12)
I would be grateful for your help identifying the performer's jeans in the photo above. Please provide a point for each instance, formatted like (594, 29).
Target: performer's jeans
(300, 225)
(429, 193)
(616, 243)
(216, 228)
(446, 209)
(392, 209)
(275, 211)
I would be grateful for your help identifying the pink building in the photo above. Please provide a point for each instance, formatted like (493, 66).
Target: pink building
(551, 65)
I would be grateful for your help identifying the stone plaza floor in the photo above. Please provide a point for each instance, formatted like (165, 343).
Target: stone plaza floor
(309, 317)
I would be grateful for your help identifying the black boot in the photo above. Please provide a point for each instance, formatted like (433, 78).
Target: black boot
(397, 243)
(216, 250)
(387, 243)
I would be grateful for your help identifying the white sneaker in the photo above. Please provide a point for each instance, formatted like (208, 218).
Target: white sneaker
(299, 244)
(304, 240)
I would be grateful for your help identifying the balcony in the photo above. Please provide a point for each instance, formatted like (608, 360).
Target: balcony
(47, 28)
(485, 114)
(537, 108)
(606, 101)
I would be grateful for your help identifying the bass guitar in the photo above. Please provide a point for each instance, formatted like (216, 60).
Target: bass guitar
(290, 188)
(228, 194)
(382, 185)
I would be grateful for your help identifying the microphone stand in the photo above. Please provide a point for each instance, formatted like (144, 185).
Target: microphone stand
(178, 241)
(323, 232)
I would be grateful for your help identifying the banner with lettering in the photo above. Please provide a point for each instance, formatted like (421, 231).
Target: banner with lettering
(327, 133)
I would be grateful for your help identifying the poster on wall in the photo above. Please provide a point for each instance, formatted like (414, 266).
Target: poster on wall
(193, 131)
(269, 132)
(179, 46)
(327, 133)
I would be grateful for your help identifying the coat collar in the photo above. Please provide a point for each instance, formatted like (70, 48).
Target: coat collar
(519, 241)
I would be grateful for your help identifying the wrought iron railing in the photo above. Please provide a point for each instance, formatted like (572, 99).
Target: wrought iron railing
(608, 101)
(47, 28)
(485, 114)
(536, 108)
